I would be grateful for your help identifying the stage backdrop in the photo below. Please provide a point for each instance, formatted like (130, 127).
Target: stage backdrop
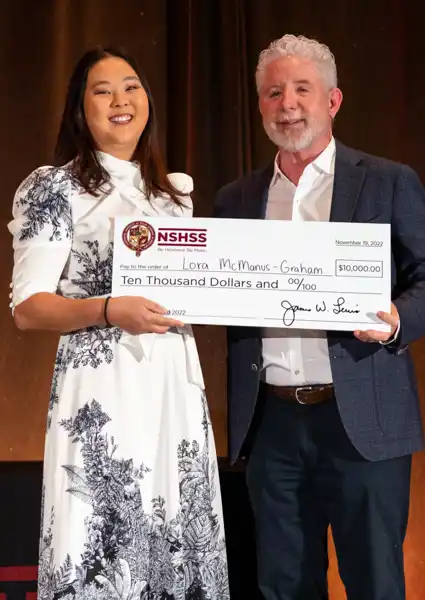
(199, 56)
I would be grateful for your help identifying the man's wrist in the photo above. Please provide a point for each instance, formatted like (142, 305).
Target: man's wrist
(393, 338)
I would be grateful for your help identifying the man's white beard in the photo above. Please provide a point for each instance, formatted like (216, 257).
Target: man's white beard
(290, 142)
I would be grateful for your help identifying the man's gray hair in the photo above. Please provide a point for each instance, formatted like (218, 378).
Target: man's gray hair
(292, 45)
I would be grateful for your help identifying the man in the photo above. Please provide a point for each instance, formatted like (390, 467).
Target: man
(337, 416)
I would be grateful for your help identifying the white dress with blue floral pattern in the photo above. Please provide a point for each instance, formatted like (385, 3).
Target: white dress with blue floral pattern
(131, 497)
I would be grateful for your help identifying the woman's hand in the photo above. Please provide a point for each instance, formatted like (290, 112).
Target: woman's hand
(135, 315)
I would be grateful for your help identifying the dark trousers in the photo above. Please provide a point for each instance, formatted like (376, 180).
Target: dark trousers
(304, 474)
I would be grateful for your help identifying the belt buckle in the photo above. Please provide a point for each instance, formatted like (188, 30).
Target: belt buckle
(306, 387)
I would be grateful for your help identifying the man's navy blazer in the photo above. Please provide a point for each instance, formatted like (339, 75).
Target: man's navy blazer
(375, 385)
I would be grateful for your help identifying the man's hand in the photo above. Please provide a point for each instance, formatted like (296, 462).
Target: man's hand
(370, 335)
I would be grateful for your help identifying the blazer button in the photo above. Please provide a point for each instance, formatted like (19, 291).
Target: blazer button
(254, 367)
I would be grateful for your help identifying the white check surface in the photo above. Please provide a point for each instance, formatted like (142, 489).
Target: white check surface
(307, 275)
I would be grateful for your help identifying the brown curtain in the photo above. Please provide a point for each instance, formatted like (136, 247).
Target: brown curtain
(200, 57)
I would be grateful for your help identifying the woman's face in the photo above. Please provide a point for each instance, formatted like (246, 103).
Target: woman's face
(116, 107)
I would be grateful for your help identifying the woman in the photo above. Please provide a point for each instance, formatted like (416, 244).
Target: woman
(131, 500)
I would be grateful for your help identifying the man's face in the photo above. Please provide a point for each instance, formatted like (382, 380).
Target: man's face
(296, 106)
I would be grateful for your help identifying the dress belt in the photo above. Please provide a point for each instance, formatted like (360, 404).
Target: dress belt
(308, 394)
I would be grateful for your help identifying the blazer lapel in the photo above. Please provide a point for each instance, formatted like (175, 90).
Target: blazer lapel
(348, 181)
(255, 194)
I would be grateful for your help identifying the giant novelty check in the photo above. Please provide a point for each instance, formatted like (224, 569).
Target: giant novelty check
(308, 275)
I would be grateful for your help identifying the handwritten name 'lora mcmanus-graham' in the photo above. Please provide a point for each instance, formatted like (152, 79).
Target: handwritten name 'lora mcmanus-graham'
(240, 265)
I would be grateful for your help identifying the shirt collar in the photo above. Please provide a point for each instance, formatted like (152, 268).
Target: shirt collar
(324, 163)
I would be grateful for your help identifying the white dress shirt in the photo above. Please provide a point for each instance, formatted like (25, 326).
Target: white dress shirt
(297, 357)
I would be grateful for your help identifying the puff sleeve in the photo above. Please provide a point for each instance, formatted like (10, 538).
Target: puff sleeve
(42, 232)
(184, 185)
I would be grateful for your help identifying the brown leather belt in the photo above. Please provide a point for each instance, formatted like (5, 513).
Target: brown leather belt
(302, 395)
